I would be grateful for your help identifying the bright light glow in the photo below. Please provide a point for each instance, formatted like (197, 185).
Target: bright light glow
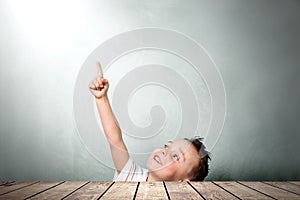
(51, 24)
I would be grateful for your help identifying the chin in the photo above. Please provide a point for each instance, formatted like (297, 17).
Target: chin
(150, 166)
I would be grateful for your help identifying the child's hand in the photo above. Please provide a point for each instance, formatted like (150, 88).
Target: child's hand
(99, 85)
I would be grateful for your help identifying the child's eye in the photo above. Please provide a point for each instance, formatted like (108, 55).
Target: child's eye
(175, 157)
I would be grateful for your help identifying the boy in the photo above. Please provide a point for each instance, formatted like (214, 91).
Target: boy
(179, 160)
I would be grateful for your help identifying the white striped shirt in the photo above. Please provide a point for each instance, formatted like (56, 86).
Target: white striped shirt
(131, 172)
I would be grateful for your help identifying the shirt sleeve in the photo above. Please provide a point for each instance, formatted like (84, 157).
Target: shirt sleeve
(131, 172)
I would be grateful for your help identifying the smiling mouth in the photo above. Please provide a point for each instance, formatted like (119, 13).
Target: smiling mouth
(157, 159)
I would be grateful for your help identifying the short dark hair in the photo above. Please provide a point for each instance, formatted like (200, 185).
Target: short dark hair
(199, 172)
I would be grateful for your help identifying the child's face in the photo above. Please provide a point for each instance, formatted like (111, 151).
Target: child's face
(174, 161)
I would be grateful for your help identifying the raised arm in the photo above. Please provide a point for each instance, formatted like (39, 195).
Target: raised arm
(98, 88)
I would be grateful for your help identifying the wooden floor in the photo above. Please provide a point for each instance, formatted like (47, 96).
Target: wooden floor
(143, 190)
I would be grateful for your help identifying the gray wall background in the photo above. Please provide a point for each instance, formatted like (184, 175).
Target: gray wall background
(255, 45)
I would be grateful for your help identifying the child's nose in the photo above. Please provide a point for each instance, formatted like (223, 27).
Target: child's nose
(164, 152)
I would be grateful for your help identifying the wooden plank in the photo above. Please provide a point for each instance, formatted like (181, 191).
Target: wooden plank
(59, 191)
(155, 190)
(295, 182)
(29, 191)
(9, 183)
(285, 185)
(181, 190)
(121, 190)
(92, 190)
(241, 191)
(13, 186)
(6, 183)
(271, 191)
(210, 191)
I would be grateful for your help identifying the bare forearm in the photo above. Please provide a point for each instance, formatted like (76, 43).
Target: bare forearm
(98, 88)
(110, 125)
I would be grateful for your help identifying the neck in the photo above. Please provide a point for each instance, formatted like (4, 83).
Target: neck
(151, 178)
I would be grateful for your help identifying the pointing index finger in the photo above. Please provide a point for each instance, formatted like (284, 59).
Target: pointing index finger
(99, 69)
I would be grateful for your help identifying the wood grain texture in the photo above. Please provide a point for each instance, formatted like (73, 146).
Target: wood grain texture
(285, 185)
(271, 191)
(210, 191)
(29, 191)
(92, 190)
(14, 186)
(155, 190)
(241, 191)
(121, 190)
(59, 191)
(181, 190)
(295, 182)
(145, 190)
